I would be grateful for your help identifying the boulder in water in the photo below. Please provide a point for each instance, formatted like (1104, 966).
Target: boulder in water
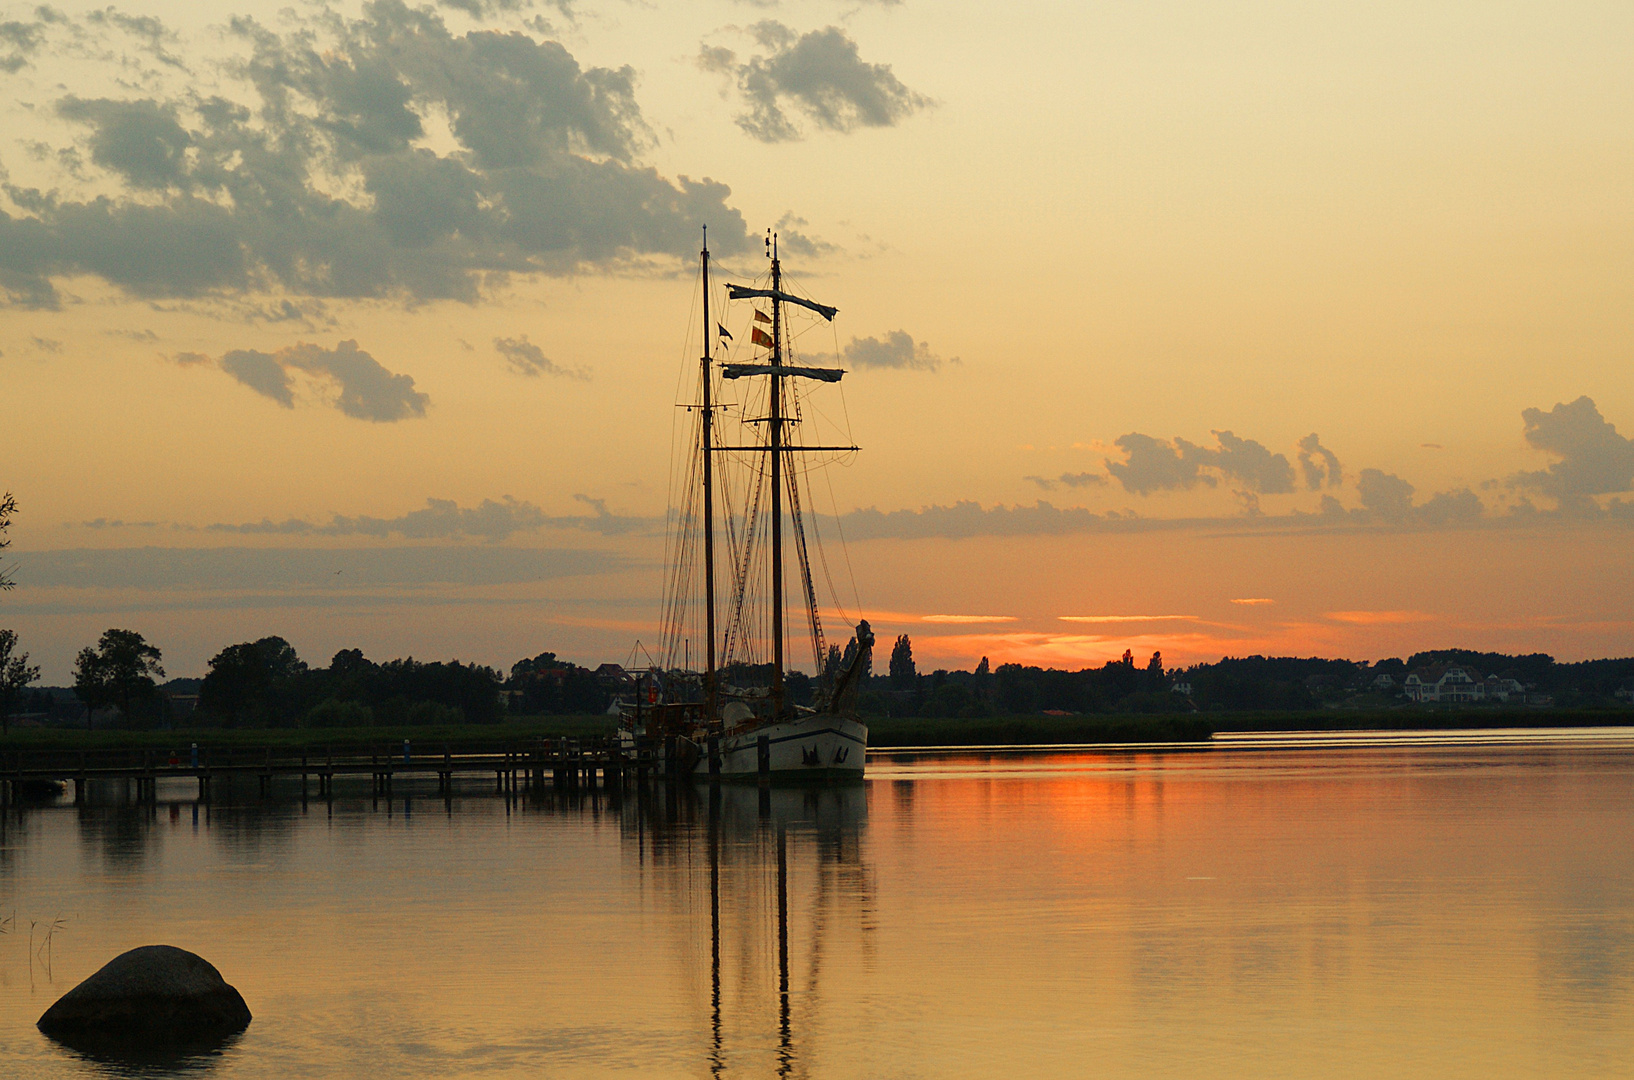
(155, 997)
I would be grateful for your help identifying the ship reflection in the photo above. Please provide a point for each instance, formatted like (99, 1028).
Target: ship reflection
(788, 889)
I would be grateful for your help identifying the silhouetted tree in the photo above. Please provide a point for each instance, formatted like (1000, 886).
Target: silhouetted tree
(8, 507)
(15, 673)
(902, 669)
(832, 662)
(119, 671)
(549, 685)
(254, 681)
(90, 683)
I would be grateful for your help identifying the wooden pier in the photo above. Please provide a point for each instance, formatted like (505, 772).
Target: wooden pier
(524, 767)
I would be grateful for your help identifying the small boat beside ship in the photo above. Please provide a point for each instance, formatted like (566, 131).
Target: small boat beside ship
(743, 485)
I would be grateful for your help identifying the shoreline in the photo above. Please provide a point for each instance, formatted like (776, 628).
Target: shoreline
(899, 733)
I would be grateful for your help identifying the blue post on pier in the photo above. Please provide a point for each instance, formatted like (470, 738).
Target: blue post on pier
(405, 751)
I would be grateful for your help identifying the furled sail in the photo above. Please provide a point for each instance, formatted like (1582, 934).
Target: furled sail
(738, 292)
(821, 374)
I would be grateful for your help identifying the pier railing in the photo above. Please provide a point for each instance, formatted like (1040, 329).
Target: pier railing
(516, 767)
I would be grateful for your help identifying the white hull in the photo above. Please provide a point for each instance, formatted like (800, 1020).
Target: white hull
(819, 746)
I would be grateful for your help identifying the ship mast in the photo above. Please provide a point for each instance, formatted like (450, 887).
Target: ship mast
(776, 421)
(711, 713)
(777, 370)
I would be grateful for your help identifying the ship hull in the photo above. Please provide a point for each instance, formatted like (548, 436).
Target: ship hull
(816, 748)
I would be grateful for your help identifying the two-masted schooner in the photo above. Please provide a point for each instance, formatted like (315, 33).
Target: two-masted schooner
(747, 486)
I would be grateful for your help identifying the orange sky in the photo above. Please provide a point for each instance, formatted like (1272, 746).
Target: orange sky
(1138, 256)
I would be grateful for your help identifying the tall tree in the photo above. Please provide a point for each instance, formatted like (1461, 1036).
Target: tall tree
(15, 673)
(252, 680)
(91, 683)
(902, 670)
(119, 671)
(8, 507)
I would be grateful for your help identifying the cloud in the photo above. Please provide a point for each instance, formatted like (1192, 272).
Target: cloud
(1155, 465)
(1385, 495)
(262, 373)
(1127, 618)
(1253, 601)
(1592, 458)
(1379, 618)
(526, 358)
(963, 619)
(366, 390)
(896, 349)
(1318, 464)
(20, 41)
(966, 519)
(1250, 463)
(444, 519)
(792, 241)
(118, 523)
(1388, 498)
(820, 74)
(317, 176)
(150, 31)
(1071, 480)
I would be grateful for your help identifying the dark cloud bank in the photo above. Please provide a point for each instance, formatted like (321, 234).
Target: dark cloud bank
(246, 568)
(444, 519)
(233, 196)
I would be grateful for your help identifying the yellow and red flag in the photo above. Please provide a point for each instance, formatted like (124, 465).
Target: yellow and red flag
(760, 337)
(761, 316)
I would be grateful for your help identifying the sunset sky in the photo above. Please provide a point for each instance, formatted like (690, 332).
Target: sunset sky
(1215, 328)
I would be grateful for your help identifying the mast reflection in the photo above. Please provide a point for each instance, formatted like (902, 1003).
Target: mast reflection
(780, 865)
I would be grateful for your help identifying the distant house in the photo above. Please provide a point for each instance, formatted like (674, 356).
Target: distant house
(1384, 682)
(612, 675)
(1445, 682)
(1501, 688)
(1181, 687)
(1625, 691)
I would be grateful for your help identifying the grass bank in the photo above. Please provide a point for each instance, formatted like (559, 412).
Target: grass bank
(1419, 719)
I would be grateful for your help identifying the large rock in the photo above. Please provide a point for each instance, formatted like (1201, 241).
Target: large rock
(155, 997)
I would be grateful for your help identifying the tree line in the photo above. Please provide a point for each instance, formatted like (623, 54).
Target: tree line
(265, 683)
(1233, 684)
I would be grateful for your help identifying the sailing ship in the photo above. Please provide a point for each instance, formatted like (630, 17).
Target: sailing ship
(740, 491)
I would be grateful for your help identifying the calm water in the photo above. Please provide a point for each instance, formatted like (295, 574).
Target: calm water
(1339, 906)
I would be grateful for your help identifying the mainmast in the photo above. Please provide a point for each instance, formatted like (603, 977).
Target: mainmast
(777, 370)
(776, 421)
(711, 712)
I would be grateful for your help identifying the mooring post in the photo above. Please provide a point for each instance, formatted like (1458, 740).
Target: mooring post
(714, 754)
(763, 759)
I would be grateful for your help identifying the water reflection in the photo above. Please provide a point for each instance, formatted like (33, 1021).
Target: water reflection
(1412, 910)
(755, 843)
